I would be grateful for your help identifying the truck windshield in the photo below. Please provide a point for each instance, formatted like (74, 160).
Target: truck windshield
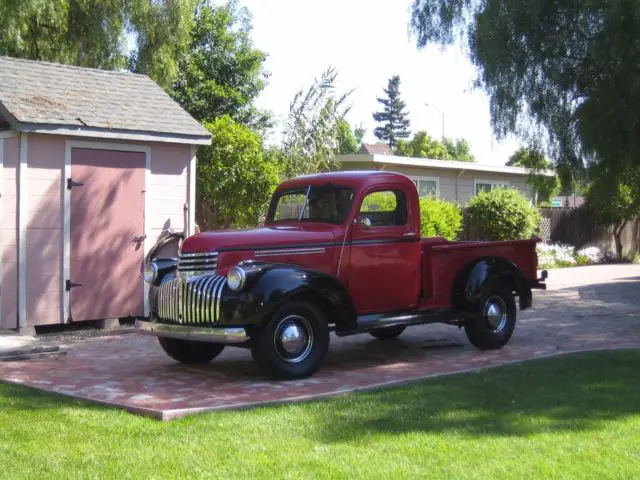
(322, 203)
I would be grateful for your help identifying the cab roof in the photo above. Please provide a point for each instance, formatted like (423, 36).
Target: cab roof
(357, 180)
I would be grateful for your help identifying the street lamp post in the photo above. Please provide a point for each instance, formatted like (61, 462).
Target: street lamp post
(441, 114)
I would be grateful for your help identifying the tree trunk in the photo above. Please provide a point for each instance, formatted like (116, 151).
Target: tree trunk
(617, 235)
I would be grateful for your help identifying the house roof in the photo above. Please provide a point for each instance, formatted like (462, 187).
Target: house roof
(62, 99)
(375, 149)
(431, 163)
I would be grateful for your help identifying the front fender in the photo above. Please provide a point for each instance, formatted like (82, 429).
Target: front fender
(472, 279)
(269, 286)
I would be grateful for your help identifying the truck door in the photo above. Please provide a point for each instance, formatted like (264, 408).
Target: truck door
(384, 270)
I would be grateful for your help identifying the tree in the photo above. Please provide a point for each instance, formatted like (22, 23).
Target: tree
(93, 34)
(568, 68)
(422, 145)
(235, 178)
(349, 141)
(534, 160)
(359, 132)
(222, 73)
(459, 150)
(615, 199)
(395, 124)
(310, 137)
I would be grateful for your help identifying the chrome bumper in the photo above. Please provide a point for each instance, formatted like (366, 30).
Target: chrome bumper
(227, 336)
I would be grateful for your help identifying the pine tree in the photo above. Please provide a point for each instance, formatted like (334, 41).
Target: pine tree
(395, 124)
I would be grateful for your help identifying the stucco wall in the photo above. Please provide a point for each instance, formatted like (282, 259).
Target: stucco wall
(8, 234)
(448, 178)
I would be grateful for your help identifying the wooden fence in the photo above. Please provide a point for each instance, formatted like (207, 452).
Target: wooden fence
(573, 226)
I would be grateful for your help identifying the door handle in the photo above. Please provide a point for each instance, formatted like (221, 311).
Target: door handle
(139, 239)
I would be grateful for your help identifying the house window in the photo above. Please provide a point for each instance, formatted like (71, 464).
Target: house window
(488, 185)
(427, 186)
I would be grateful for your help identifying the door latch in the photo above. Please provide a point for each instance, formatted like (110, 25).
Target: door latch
(139, 239)
(71, 184)
(69, 285)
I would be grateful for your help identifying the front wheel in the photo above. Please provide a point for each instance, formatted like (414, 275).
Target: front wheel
(188, 352)
(294, 343)
(495, 320)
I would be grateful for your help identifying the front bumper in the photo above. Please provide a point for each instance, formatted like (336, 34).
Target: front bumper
(222, 335)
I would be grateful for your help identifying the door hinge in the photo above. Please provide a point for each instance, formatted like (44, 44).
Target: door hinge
(69, 285)
(71, 184)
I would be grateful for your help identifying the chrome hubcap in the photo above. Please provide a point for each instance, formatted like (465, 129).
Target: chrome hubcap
(495, 313)
(293, 339)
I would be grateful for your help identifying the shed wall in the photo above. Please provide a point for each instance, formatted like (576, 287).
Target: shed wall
(9, 234)
(46, 157)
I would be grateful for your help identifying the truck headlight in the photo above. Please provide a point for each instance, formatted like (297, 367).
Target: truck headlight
(150, 272)
(236, 278)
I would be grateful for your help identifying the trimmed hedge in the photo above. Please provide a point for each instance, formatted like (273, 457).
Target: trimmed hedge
(504, 214)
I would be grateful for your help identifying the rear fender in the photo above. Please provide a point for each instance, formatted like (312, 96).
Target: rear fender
(472, 279)
(269, 286)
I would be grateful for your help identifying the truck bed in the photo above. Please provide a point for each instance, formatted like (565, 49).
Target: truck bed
(442, 260)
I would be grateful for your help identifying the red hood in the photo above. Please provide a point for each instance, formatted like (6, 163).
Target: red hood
(265, 237)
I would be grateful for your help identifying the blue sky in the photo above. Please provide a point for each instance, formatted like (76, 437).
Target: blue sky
(368, 41)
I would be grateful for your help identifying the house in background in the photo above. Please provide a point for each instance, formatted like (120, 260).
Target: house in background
(446, 179)
(94, 165)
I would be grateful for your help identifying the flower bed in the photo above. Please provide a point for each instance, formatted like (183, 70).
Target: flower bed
(558, 255)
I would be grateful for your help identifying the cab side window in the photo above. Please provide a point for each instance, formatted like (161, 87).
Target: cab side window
(385, 208)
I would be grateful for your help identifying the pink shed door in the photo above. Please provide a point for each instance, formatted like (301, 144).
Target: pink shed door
(107, 232)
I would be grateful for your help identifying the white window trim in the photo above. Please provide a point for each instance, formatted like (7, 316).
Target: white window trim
(66, 208)
(429, 179)
(493, 183)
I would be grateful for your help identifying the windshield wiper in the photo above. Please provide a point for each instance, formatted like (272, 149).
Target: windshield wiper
(304, 205)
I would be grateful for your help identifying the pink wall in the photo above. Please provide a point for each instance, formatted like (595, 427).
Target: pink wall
(8, 234)
(44, 228)
(169, 186)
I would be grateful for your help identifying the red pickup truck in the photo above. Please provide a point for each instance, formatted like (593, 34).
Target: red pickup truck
(338, 252)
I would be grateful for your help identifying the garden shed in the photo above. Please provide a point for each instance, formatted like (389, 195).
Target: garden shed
(95, 165)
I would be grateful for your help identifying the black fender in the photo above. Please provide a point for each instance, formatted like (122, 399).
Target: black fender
(165, 266)
(470, 281)
(270, 286)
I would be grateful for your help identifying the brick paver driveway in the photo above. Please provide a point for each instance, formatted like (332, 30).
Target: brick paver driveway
(585, 308)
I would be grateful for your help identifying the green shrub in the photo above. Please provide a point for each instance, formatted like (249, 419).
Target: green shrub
(504, 214)
(439, 218)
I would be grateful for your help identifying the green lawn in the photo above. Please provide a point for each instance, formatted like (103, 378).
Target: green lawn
(570, 417)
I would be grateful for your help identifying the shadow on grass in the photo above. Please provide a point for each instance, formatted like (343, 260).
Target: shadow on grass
(571, 393)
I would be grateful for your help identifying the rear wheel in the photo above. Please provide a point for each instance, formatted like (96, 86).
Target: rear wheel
(189, 352)
(495, 321)
(387, 333)
(294, 343)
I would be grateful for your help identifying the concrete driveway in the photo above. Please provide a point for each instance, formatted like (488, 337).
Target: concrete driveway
(585, 308)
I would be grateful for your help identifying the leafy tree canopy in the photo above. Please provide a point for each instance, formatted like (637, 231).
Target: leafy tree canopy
(568, 67)
(422, 145)
(349, 141)
(534, 160)
(311, 134)
(235, 178)
(615, 199)
(221, 72)
(92, 33)
(393, 117)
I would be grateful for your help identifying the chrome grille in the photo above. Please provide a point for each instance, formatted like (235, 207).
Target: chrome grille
(192, 301)
(198, 263)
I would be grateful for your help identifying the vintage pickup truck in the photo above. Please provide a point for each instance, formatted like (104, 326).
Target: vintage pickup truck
(338, 252)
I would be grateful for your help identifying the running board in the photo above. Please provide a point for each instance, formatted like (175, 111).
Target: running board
(367, 323)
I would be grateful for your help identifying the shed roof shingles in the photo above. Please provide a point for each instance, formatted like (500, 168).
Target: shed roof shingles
(53, 94)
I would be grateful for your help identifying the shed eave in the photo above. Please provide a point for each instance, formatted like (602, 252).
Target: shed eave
(113, 134)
